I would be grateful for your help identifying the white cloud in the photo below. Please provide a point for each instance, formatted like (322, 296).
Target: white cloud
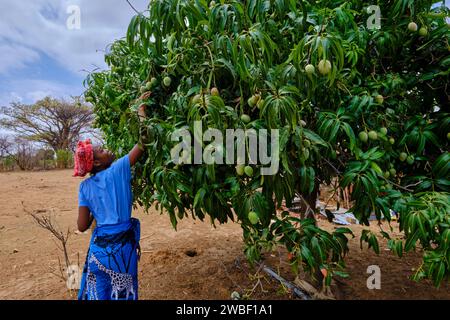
(32, 30)
(31, 90)
(16, 57)
(39, 94)
(9, 97)
(30, 27)
(15, 97)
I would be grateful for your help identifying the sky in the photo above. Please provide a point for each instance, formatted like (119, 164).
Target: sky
(41, 55)
(44, 51)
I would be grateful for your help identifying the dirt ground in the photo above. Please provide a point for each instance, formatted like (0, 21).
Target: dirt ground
(195, 262)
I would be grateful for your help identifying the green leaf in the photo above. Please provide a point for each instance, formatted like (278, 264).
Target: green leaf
(199, 197)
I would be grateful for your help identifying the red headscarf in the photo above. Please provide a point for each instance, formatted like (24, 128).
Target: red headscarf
(84, 158)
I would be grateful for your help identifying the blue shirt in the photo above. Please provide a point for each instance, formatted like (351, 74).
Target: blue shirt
(108, 194)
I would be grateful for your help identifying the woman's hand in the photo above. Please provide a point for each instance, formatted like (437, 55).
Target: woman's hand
(141, 111)
(145, 95)
(142, 106)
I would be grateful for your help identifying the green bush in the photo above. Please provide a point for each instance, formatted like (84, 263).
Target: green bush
(64, 159)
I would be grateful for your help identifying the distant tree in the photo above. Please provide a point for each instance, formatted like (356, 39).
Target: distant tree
(22, 151)
(5, 146)
(54, 122)
(45, 158)
(6, 160)
(45, 154)
(64, 159)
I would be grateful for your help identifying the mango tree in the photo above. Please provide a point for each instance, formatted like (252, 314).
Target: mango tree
(356, 99)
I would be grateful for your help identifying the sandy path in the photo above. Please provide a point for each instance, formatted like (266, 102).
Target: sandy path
(29, 253)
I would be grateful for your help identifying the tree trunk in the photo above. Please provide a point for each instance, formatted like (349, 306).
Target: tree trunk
(310, 200)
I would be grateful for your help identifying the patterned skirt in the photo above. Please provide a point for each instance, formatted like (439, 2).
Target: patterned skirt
(110, 271)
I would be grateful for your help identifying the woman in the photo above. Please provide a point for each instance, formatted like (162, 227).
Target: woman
(110, 271)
